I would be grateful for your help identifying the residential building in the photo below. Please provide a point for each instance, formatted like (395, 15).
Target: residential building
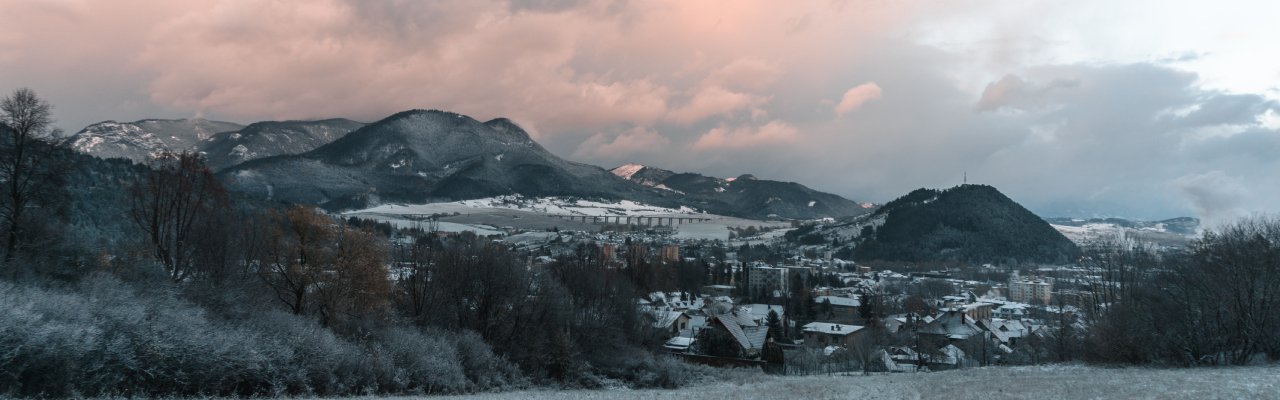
(824, 334)
(768, 280)
(843, 309)
(1031, 290)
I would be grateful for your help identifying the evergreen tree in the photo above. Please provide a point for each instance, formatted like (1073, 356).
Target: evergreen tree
(775, 325)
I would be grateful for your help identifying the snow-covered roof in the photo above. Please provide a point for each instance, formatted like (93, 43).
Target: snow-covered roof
(837, 301)
(760, 312)
(830, 328)
(679, 343)
(664, 319)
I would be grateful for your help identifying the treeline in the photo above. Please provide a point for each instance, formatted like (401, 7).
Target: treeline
(151, 280)
(1218, 303)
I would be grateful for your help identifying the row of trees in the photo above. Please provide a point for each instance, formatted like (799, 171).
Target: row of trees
(1214, 304)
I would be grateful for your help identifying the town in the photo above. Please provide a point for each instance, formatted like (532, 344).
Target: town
(761, 300)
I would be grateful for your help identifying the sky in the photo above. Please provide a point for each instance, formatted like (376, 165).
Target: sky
(1141, 109)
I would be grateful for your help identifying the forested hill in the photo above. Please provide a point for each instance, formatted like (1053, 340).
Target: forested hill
(973, 223)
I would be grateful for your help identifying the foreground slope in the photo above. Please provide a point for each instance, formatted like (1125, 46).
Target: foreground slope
(965, 223)
(1068, 382)
(746, 194)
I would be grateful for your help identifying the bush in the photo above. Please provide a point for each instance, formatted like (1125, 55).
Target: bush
(107, 339)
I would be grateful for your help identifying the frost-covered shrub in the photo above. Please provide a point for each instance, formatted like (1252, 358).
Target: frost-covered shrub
(108, 339)
(485, 369)
(419, 363)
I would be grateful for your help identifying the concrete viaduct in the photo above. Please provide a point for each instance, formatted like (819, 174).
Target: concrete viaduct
(643, 221)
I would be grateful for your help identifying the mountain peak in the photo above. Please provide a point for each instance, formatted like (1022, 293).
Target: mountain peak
(963, 223)
(626, 171)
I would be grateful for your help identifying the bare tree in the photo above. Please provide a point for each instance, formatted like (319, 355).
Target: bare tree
(176, 205)
(28, 168)
(296, 250)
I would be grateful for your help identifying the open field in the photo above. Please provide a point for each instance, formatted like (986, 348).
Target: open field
(488, 216)
(1042, 382)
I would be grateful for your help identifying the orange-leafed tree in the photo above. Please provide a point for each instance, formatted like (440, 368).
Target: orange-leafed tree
(314, 264)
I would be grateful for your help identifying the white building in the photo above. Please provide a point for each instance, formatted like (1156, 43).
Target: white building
(1030, 289)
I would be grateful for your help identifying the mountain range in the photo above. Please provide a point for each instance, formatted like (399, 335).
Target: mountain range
(223, 143)
(423, 156)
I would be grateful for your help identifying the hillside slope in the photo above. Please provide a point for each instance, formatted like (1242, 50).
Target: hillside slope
(273, 138)
(973, 223)
(745, 194)
(420, 156)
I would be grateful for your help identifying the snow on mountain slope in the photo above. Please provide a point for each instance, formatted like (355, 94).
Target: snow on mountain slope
(627, 171)
(1088, 232)
(139, 140)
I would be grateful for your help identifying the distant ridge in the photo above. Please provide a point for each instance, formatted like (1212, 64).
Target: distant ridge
(419, 156)
(746, 193)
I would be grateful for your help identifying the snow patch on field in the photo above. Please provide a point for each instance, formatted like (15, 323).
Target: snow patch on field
(1088, 232)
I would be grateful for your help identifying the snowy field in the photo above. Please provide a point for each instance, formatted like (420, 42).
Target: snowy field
(487, 216)
(1093, 232)
(1045, 382)
(546, 205)
(1088, 232)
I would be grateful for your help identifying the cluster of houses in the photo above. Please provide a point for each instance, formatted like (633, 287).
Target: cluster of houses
(990, 324)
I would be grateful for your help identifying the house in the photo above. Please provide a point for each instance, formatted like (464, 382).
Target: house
(760, 312)
(823, 334)
(978, 311)
(953, 325)
(670, 321)
(749, 338)
(1013, 311)
(843, 309)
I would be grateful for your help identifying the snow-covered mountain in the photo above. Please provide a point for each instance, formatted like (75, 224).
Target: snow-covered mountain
(139, 140)
(421, 156)
(223, 143)
(273, 138)
(746, 194)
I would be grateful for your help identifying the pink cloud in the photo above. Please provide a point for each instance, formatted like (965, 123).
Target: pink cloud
(714, 101)
(589, 66)
(773, 133)
(856, 96)
(633, 141)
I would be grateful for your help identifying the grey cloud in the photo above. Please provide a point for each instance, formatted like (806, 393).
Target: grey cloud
(1216, 196)
(1229, 109)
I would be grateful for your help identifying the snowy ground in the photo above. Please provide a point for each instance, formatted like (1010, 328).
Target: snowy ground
(1088, 232)
(1094, 232)
(547, 205)
(1046, 382)
(489, 215)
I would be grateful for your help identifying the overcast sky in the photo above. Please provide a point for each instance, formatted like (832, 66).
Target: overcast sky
(1147, 109)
